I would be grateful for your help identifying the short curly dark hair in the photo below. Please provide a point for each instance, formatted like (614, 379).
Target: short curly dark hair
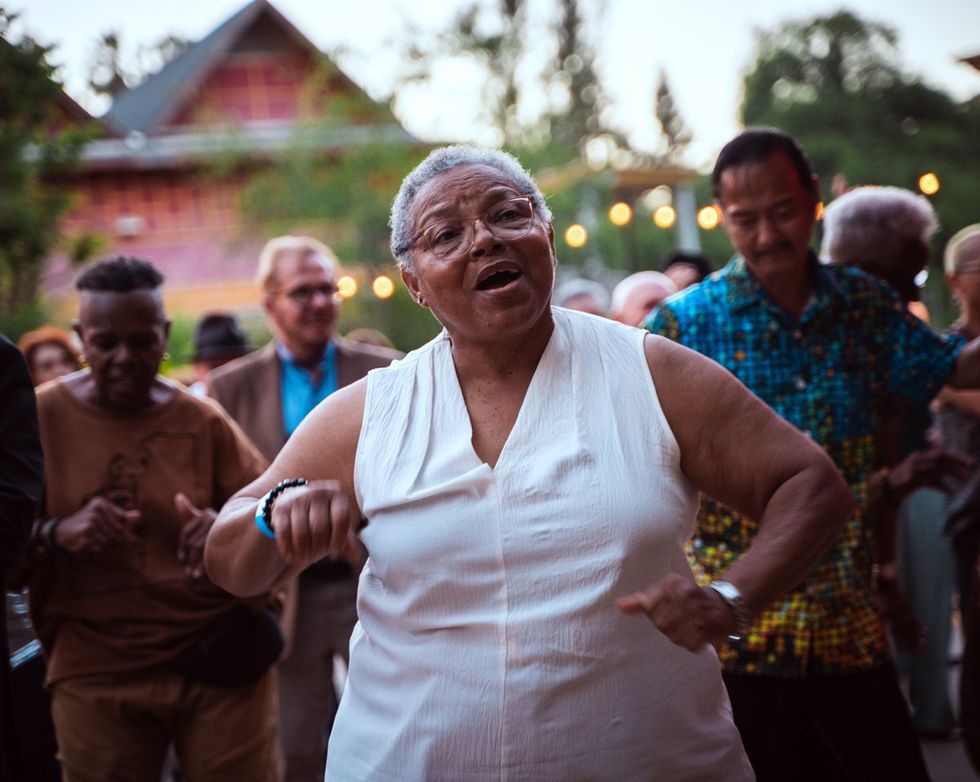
(121, 274)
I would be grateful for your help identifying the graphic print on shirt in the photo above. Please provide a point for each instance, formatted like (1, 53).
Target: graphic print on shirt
(146, 557)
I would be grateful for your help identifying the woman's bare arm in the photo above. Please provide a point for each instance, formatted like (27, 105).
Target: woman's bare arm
(310, 521)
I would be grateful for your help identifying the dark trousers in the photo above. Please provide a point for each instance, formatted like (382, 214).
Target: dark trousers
(850, 727)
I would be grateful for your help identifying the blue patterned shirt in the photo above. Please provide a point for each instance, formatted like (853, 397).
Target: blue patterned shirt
(829, 372)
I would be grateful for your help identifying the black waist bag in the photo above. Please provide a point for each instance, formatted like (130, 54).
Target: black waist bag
(235, 652)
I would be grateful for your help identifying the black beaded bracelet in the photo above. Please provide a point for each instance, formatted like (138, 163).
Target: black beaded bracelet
(263, 515)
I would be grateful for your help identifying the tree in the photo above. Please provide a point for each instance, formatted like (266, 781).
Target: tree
(31, 156)
(528, 100)
(675, 133)
(837, 85)
(111, 71)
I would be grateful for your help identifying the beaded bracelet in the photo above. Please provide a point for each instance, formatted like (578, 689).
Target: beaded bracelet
(263, 511)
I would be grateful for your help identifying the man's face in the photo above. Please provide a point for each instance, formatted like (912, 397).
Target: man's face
(300, 303)
(124, 336)
(768, 214)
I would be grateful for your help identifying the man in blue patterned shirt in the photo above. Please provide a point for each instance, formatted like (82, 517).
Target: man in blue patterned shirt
(813, 691)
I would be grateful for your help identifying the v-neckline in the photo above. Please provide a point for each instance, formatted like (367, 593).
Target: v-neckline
(460, 400)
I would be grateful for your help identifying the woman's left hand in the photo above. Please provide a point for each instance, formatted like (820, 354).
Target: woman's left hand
(689, 615)
(197, 524)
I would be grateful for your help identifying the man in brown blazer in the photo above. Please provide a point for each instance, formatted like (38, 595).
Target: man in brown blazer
(268, 393)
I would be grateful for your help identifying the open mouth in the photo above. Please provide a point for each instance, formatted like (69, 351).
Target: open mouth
(498, 279)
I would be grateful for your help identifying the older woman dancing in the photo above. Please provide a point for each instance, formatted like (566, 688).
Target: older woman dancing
(528, 480)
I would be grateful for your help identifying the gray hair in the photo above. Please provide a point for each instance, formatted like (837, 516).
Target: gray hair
(445, 159)
(582, 287)
(626, 285)
(964, 243)
(869, 217)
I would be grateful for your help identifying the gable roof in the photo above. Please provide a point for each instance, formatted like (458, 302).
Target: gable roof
(159, 97)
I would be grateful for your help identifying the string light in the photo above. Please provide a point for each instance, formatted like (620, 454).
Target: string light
(664, 217)
(620, 213)
(709, 217)
(576, 236)
(383, 287)
(346, 287)
(929, 183)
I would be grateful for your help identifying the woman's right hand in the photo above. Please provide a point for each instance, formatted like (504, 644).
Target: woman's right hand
(311, 521)
(97, 524)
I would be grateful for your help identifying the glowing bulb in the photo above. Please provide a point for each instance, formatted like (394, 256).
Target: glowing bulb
(383, 287)
(664, 217)
(346, 287)
(709, 217)
(576, 236)
(929, 183)
(620, 213)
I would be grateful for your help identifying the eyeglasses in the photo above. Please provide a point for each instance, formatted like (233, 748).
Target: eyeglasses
(304, 294)
(506, 220)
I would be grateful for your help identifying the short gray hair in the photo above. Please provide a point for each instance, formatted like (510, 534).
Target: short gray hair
(626, 285)
(445, 159)
(274, 249)
(870, 216)
(962, 240)
(580, 286)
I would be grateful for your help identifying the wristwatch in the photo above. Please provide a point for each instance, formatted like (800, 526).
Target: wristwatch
(730, 594)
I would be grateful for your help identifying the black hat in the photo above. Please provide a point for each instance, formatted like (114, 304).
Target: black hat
(219, 335)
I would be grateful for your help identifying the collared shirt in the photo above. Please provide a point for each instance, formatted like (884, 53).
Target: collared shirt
(302, 390)
(828, 373)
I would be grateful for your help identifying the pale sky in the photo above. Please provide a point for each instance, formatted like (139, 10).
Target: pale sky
(703, 45)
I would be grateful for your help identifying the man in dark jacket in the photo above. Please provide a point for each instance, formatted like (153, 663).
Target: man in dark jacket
(20, 490)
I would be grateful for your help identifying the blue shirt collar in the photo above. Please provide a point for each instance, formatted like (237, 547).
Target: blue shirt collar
(286, 356)
(745, 290)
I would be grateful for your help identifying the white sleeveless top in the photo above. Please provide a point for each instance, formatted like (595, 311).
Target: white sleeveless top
(489, 646)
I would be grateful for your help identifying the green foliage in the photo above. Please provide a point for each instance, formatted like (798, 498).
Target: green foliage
(15, 322)
(30, 156)
(836, 84)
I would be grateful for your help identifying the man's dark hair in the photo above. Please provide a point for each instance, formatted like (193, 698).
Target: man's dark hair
(756, 145)
(121, 274)
(698, 261)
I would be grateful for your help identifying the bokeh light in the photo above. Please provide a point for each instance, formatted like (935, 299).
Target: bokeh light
(929, 183)
(383, 287)
(620, 213)
(709, 217)
(819, 211)
(346, 287)
(576, 236)
(664, 217)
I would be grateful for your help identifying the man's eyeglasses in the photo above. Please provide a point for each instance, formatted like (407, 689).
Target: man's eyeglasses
(304, 294)
(506, 220)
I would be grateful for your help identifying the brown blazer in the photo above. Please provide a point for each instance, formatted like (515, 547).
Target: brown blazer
(250, 390)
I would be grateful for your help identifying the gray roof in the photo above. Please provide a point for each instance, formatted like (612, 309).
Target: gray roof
(160, 96)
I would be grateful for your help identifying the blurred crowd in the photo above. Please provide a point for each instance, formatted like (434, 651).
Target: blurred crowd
(127, 662)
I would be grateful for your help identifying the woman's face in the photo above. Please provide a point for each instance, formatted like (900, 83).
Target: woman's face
(491, 288)
(50, 360)
(124, 336)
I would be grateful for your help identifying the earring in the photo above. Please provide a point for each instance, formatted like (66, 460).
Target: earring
(419, 300)
(166, 355)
